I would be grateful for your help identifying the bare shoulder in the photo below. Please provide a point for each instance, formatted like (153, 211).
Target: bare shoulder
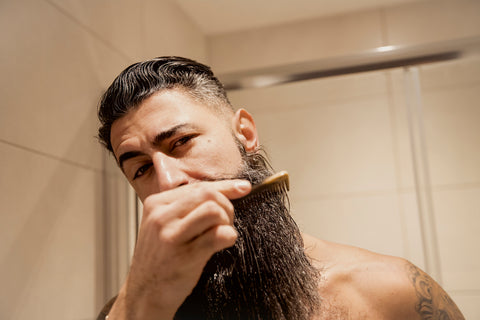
(375, 286)
(368, 285)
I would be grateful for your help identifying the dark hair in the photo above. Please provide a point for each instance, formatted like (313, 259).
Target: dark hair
(140, 80)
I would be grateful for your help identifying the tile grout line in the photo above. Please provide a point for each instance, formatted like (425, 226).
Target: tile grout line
(88, 30)
(49, 156)
(474, 292)
(385, 192)
(454, 86)
(319, 104)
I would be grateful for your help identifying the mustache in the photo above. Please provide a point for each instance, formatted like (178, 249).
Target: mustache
(255, 168)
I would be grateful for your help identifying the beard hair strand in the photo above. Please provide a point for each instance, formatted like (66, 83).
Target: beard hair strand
(266, 274)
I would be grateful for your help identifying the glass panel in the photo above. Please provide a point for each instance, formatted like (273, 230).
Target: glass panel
(364, 175)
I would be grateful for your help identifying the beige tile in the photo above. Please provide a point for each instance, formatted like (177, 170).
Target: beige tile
(51, 253)
(467, 303)
(312, 92)
(430, 21)
(450, 113)
(457, 214)
(370, 222)
(295, 42)
(140, 29)
(333, 148)
(455, 73)
(412, 235)
(119, 23)
(403, 143)
(55, 78)
(169, 31)
(452, 134)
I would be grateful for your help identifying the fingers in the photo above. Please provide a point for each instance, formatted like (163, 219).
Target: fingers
(216, 239)
(206, 216)
(185, 213)
(184, 199)
(205, 195)
(232, 189)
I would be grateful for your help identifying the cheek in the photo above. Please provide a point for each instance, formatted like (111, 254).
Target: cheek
(224, 154)
(144, 189)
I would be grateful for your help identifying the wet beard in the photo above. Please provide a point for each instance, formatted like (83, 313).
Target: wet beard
(266, 274)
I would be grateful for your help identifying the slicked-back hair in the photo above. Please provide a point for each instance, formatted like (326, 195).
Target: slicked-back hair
(141, 80)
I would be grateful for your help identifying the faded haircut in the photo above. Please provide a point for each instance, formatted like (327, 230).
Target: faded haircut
(141, 80)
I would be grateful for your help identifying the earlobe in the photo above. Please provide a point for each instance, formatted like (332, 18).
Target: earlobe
(245, 130)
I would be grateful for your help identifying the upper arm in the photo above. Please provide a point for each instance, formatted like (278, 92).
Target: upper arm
(390, 287)
(397, 289)
(432, 302)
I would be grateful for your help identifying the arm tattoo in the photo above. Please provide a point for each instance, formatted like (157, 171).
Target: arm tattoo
(433, 302)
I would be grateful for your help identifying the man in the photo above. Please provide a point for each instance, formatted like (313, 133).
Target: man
(203, 254)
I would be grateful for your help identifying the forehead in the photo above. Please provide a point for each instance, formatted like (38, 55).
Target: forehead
(161, 111)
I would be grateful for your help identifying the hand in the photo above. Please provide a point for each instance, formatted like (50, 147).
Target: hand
(181, 229)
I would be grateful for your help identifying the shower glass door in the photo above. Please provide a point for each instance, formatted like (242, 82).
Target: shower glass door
(387, 160)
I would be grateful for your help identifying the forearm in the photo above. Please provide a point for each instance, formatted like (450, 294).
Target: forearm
(137, 306)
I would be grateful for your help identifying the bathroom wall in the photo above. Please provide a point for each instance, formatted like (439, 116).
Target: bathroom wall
(345, 139)
(59, 192)
(417, 23)
(65, 238)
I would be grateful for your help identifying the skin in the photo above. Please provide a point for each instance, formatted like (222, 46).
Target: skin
(167, 147)
(185, 219)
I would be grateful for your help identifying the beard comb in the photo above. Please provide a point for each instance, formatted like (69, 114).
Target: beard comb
(275, 184)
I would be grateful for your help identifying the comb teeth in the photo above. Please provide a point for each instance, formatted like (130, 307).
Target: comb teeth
(277, 180)
(276, 183)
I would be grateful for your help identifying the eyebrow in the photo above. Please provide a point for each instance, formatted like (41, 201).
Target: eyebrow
(128, 155)
(158, 140)
(164, 135)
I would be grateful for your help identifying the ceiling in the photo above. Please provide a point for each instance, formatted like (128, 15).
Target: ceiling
(221, 16)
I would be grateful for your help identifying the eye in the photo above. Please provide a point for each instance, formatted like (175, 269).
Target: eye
(141, 171)
(182, 141)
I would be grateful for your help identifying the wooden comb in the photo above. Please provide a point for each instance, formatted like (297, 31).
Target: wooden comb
(274, 184)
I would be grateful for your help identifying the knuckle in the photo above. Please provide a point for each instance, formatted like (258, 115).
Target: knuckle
(211, 206)
(213, 210)
(149, 204)
(206, 192)
(229, 208)
(157, 220)
(168, 236)
(154, 223)
(155, 216)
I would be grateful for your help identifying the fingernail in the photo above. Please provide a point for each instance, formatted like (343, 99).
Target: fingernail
(242, 185)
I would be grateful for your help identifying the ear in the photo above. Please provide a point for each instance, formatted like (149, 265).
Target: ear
(245, 130)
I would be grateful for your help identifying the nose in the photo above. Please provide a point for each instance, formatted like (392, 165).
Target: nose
(168, 173)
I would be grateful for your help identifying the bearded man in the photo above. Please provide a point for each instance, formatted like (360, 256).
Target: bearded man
(203, 254)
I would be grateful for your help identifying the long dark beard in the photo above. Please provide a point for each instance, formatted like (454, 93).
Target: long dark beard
(266, 274)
